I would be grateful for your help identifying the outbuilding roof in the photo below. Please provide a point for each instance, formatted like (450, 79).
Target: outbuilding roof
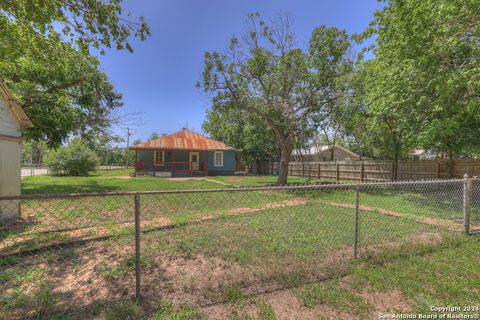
(183, 140)
(15, 106)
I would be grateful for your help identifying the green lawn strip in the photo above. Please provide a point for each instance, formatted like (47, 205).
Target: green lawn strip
(167, 311)
(436, 204)
(430, 275)
(57, 220)
(181, 208)
(185, 207)
(265, 311)
(98, 183)
(295, 236)
(335, 295)
(258, 181)
(123, 172)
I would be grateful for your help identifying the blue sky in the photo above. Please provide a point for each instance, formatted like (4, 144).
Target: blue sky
(158, 80)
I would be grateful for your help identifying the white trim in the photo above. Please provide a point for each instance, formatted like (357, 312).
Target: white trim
(215, 159)
(197, 163)
(155, 158)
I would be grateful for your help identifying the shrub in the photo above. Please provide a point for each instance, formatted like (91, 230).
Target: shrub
(76, 159)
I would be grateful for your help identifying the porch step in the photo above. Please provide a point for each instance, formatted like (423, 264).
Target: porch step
(198, 174)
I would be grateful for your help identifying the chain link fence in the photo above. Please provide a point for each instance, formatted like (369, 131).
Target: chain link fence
(76, 254)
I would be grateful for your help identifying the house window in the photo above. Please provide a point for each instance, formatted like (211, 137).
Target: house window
(218, 158)
(159, 157)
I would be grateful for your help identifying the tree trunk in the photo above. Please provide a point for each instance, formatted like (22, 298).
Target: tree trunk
(395, 166)
(332, 151)
(450, 163)
(285, 155)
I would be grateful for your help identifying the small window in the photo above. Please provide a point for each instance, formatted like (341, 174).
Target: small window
(159, 157)
(218, 158)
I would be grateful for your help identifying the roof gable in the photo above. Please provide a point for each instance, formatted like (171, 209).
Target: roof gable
(16, 109)
(183, 140)
(319, 149)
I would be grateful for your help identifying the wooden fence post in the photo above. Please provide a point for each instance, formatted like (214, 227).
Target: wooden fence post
(318, 170)
(362, 169)
(438, 169)
(303, 169)
(337, 173)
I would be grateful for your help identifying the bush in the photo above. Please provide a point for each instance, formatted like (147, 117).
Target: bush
(76, 159)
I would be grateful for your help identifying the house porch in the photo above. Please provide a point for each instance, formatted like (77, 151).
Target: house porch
(171, 163)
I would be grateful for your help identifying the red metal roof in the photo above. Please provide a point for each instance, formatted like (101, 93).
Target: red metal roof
(183, 140)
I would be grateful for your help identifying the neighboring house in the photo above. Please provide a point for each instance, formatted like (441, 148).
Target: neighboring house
(182, 154)
(12, 120)
(420, 154)
(323, 153)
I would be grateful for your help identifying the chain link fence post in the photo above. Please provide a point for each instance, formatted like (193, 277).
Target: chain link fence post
(467, 197)
(137, 247)
(355, 231)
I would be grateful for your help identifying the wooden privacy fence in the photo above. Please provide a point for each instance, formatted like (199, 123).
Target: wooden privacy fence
(365, 171)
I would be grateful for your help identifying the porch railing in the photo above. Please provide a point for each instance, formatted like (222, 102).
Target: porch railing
(149, 165)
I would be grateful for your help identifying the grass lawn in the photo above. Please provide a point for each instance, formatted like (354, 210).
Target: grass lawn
(227, 248)
(108, 180)
(118, 180)
(258, 181)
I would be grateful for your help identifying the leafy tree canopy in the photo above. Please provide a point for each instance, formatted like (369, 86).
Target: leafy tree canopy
(45, 59)
(244, 131)
(426, 71)
(286, 87)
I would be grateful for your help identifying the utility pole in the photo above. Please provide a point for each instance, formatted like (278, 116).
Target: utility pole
(128, 145)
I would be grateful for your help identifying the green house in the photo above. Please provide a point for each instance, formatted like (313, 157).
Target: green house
(183, 154)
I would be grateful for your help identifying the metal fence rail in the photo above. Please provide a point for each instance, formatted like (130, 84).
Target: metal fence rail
(197, 245)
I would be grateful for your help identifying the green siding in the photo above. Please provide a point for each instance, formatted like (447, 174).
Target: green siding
(145, 155)
(183, 156)
(228, 163)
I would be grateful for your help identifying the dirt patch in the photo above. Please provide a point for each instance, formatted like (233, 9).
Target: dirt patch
(387, 301)
(427, 237)
(273, 205)
(92, 232)
(363, 208)
(221, 182)
(425, 220)
(285, 305)
(440, 223)
(14, 245)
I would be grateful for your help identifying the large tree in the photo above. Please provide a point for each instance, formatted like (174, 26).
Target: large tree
(45, 59)
(288, 88)
(244, 131)
(427, 56)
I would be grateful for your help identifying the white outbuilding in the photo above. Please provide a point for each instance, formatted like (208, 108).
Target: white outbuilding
(12, 120)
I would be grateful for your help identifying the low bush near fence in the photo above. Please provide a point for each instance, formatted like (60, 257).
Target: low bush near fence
(211, 246)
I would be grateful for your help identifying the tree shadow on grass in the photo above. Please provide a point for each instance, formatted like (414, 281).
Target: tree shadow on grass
(88, 186)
